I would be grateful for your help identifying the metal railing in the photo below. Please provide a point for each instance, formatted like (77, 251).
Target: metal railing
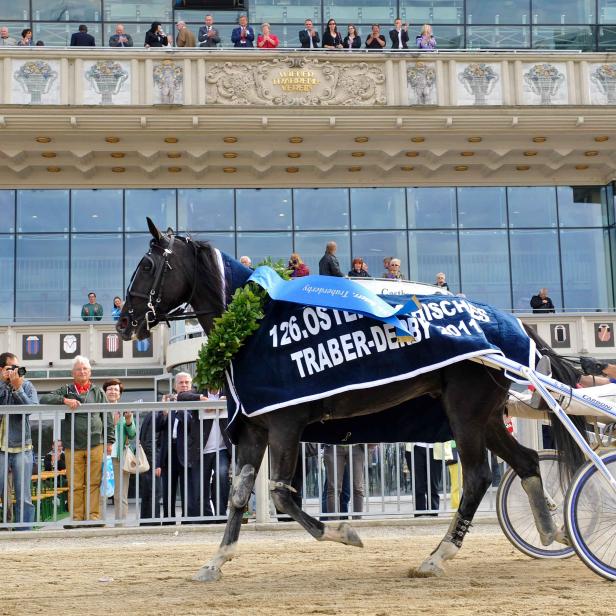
(378, 480)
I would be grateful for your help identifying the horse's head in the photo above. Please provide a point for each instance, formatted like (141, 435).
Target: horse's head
(159, 284)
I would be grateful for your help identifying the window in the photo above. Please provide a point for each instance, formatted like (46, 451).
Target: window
(582, 206)
(503, 12)
(42, 277)
(96, 210)
(157, 204)
(431, 208)
(206, 209)
(431, 252)
(378, 208)
(7, 279)
(7, 211)
(311, 247)
(321, 208)
(481, 207)
(533, 206)
(259, 246)
(563, 11)
(14, 9)
(42, 210)
(374, 246)
(261, 209)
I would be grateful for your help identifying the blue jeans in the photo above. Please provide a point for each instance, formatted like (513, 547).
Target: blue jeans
(21, 466)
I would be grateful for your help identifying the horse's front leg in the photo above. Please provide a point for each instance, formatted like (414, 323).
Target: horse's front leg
(250, 450)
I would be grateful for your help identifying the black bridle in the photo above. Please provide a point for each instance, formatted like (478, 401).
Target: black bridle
(154, 296)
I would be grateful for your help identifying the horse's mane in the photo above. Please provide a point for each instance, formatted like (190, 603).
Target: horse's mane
(210, 281)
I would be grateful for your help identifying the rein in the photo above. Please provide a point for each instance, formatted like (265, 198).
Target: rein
(154, 296)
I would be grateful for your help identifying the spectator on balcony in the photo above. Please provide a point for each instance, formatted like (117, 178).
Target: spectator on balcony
(541, 303)
(84, 436)
(117, 308)
(16, 438)
(328, 265)
(246, 261)
(39, 44)
(386, 261)
(375, 39)
(332, 39)
(244, 35)
(357, 269)
(267, 40)
(26, 38)
(399, 36)
(120, 38)
(155, 36)
(393, 270)
(185, 37)
(55, 457)
(441, 281)
(309, 37)
(298, 267)
(92, 311)
(5, 39)
(208, 35)
(352, 40)
(426, 39)
(81, 38)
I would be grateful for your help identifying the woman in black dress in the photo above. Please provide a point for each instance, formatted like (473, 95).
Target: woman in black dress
(331, 37)
(155, 37)
(352, 40)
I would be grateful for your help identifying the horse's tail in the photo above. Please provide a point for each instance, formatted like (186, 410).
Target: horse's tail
(570, 456)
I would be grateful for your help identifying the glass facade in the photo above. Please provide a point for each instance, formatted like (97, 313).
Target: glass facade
(542, 24)
(496, 244)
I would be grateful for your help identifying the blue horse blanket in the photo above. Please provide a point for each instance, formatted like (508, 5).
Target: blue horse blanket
(304, 353)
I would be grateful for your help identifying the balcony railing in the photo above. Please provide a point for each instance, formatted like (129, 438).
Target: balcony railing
(289, 77)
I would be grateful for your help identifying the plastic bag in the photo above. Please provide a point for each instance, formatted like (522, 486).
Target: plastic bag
(108, 481)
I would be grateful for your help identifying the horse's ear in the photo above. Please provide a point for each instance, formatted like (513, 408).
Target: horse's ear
(170, 231)
(156, 234)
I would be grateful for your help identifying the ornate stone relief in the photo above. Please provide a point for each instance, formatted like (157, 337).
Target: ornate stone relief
(296, 81)
(36, 82)
(421, 82)
(480, 84)
(603, 84)
(107, 82)
(545, 84)
(168, 78)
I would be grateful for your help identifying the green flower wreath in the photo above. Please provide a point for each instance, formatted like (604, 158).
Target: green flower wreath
(240, 320)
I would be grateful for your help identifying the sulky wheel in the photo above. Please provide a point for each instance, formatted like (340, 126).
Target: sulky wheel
(590, 516)
(516, 518)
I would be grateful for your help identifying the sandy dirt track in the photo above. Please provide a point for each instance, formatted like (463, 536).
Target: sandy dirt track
(290, 573)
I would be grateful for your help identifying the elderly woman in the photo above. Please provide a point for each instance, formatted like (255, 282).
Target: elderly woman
(393, 270)
(84, 436)
(267, 40)
(297, 266)
(124, 431)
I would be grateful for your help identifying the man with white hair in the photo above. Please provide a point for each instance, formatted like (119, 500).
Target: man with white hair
(246, 261)
(120, 38)
(185, 37)
(84, 436)
(5, 39)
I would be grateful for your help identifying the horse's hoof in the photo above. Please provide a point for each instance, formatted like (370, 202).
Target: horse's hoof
(207, 574)
(349, 535)
(427, 569)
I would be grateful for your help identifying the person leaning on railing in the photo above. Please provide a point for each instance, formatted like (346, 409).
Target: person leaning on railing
(16, 438)
(83, 439)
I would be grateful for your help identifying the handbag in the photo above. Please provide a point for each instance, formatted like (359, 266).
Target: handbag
(135, 464)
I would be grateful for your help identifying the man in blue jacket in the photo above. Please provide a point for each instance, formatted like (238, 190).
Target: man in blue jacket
(244, 35)
(82, 38)
(16, 438)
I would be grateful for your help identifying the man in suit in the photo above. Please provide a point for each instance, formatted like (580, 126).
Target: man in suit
(120, 38)
(185, 37)
(309, 37)
(175, 467)
(208, 35)
(243, 36)
(82, 38)
(399, 35)
(210, 458)
(150, 483)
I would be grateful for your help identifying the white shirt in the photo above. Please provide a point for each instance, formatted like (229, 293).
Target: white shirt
(215, 441)
(399, 38)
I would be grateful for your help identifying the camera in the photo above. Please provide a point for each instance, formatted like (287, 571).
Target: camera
(21, 371)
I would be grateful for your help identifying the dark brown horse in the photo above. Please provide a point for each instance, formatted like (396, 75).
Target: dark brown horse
(177, 270)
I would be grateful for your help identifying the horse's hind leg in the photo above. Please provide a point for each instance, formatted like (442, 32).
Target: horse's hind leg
(284, 449)
(468, 401)
(250, 449)
(525, 462)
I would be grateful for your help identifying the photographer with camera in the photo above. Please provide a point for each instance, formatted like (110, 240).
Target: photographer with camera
(297, 266)
(83, 436)
(16, 438)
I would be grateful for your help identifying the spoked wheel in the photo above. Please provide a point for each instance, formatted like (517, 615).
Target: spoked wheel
(590, 515)
(515, 515)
